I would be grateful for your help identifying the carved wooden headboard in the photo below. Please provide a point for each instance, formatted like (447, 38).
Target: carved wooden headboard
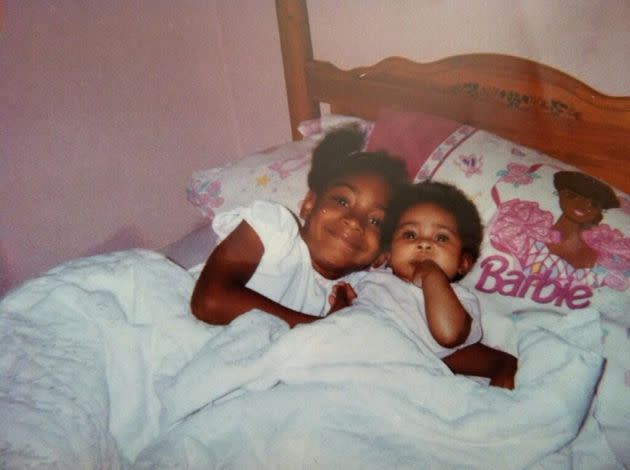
(530, 103)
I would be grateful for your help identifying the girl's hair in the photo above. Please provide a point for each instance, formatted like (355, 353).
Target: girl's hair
(341, 153)
(586, 186)
(449, 198)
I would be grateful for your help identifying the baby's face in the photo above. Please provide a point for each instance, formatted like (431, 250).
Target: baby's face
(426, 232)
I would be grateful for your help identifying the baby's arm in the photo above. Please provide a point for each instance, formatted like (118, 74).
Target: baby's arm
(483, 361)
(221, 295)
(448, 320)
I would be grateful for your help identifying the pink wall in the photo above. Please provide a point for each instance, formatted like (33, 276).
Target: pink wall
(107, 107)
(585, 38)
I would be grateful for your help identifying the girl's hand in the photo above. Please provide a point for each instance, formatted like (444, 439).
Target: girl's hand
(342, 296)
(425, 268)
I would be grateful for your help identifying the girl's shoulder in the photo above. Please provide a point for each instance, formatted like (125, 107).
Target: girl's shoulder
(265, 217)
(276, 226)
(276, 215)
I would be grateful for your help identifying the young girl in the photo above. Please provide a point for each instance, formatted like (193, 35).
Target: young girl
(432, 239)
(267, 260)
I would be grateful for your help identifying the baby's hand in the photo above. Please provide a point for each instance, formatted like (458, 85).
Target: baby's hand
(342, 296)
(423, 269)
(504, 376)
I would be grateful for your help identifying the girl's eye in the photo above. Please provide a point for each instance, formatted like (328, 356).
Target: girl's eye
(378, 223)
(409, 235)
(342, 201)
(440, 237)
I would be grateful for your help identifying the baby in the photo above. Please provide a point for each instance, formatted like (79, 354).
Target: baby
(431, 239)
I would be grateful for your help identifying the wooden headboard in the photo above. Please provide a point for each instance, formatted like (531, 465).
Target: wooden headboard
(519, 99)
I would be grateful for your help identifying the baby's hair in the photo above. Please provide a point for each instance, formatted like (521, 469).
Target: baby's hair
(448, 197)
(340, 153)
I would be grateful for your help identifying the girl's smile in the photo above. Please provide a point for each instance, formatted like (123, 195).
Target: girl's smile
(343, 224)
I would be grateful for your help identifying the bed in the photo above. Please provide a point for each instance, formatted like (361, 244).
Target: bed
(103, 366)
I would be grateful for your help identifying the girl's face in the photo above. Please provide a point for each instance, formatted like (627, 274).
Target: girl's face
(425, 231)
(342, 225)
(579, 209)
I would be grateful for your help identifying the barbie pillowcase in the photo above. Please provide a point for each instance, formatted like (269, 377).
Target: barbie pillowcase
(555, 238)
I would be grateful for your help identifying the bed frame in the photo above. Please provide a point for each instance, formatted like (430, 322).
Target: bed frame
(527, 102)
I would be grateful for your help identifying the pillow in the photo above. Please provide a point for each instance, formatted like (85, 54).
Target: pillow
(522, 271)
(410, 135)
(524, 262)
(278, 173)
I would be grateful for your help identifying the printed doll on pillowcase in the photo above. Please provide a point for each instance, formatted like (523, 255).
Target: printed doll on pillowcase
(576, 250)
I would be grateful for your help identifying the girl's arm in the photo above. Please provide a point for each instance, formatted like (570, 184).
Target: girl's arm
(483, 361)
(448, 321)
(220, 294)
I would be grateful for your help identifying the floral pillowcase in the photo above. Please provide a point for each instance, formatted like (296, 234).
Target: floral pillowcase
(278, 174)
(524, 198)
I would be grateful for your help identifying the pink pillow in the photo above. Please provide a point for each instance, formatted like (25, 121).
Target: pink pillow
(410, 135)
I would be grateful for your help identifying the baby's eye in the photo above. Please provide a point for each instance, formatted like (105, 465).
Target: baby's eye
(440, 237)
(409, 235)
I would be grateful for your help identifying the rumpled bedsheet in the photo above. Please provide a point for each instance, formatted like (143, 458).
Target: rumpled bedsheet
(103, 366)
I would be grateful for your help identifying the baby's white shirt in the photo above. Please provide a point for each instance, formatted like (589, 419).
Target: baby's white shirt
(382, 291)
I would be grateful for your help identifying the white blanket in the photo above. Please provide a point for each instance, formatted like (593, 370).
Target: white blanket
(102, 366)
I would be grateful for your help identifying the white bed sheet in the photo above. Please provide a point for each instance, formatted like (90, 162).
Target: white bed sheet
(102, 366)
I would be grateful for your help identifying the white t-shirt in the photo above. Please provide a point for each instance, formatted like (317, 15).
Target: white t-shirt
(285, 273)
(381, 291)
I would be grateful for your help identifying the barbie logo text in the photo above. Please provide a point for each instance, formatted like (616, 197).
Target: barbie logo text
(538, 287)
